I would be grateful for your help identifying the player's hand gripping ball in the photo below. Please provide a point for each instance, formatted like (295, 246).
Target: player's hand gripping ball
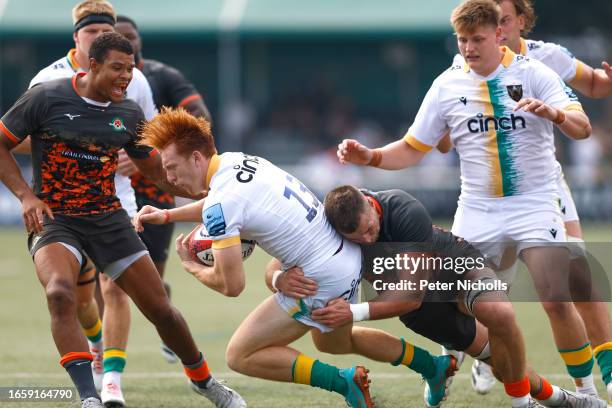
(200, 246)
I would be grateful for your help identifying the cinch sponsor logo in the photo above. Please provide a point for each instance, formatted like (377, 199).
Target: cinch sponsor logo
(483, 123)
(83, 156)
(247, 169)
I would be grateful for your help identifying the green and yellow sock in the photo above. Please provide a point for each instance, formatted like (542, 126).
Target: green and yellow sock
(307, 370)
(603, 354)
(114, 359)
(94, 333)
(579, 361)
(417, 359)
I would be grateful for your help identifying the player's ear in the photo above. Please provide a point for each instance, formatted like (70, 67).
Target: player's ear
(521, 22)
(93, 65)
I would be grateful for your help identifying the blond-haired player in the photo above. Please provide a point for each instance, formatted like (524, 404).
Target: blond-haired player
(517, 20)
(500, 109)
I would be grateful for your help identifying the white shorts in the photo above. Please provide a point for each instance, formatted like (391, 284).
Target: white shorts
(568, 208)
(125, 194)
(338, 277)
(517, 222)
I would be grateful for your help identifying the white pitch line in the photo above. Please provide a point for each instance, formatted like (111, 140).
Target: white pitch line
(176, 374)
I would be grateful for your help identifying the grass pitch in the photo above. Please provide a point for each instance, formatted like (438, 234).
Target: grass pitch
(28, 356)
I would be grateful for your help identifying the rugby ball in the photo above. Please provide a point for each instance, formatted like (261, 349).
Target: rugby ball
(200, 246)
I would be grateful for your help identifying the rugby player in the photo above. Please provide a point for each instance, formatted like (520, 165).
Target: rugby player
(517, 20)
(500, 109)
(107, 339)
(250, 198)
(170, 88)
(395, 216)
(77, 125)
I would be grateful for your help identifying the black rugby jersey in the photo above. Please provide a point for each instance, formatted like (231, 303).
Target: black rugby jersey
(403, 217)
(74, 145)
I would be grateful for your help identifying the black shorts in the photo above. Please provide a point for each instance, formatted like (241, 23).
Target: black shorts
(157, 238)
(105, 238)
(443, 323)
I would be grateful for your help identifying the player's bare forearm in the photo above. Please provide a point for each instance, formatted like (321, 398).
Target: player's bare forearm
(602, 84)
(593, 83)
(191, 212)
(206, 275)
(387, 309)
(399, 155)
(576, 125)
(10, 175)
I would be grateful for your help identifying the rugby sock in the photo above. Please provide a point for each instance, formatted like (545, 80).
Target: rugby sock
(114, 360)
(417, 359)
(307, 370)
(519, 392)
(94, 334)
(579, 363)
(78, 365)
(603, 354)
(548, 394)
(198, 373)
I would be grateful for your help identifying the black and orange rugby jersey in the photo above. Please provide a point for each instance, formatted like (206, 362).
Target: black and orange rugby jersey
(74, 145)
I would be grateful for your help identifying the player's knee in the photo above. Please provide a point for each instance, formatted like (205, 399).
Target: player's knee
(112, 293)
(558, 310)
(60, 296)
(235, 357)
(496, 315)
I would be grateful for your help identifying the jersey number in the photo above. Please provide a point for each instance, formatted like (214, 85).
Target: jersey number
(302, 196)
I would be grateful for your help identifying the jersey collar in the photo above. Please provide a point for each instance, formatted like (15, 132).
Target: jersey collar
(213, 166)
(523, 47)
(376, 205)
(72, 60)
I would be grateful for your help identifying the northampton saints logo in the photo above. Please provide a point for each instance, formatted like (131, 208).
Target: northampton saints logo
(515, 91)
(117, 124)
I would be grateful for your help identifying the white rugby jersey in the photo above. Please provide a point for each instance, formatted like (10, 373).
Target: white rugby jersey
(251, 198)
(138, 90)
(502, 153)
(554, 56)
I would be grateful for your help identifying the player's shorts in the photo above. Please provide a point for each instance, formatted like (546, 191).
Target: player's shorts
(528, 220)
(105, 238)
(442, 323)
(156, 237)
(338, 277)
(566, 202)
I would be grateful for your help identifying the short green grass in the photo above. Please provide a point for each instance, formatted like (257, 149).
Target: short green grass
(28, 356)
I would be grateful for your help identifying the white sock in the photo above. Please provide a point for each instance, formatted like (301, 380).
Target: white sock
(555, 399)
(98, 344)
(520, 402)
(112, 376)
(585, 385)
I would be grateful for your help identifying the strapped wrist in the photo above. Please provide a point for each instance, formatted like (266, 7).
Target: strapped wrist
(275, 276)
(166, 216)
(361, 311)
